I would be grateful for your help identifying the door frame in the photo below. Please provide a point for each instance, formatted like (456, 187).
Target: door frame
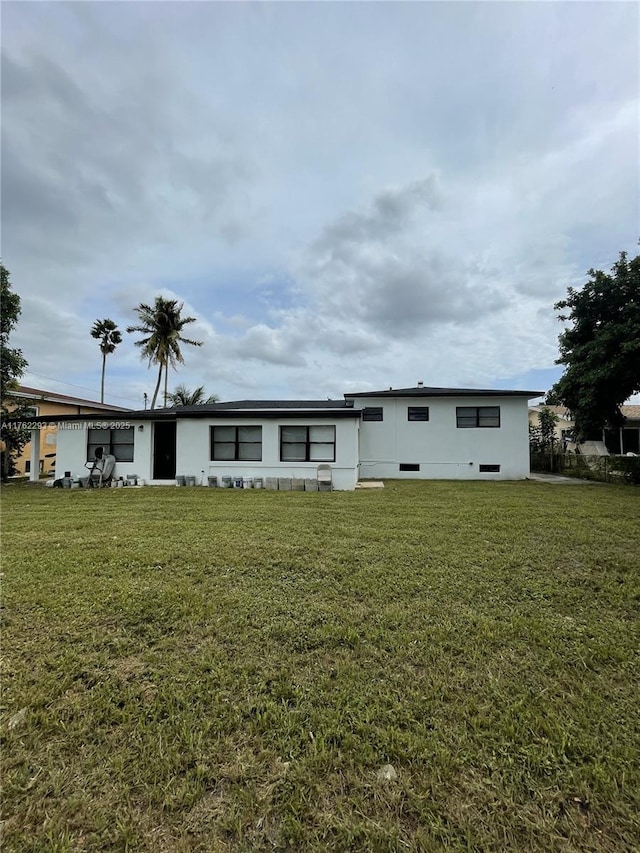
(165, 475)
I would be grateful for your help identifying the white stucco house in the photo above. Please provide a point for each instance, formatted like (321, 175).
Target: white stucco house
(412, 433)
(444, 433)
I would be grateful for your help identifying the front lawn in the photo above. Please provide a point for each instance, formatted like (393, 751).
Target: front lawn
(211, 670)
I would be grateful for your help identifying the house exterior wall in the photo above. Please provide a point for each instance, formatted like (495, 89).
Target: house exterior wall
(367, 449)
(438, 446)
(193, 450)
(72, 451)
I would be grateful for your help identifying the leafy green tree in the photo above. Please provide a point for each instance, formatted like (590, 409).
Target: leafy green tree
(542, 436)
(12, 367)
(161, 325)
(601, 349)
(12, 362)
(109, 336)
(14, 436)
(183, 396)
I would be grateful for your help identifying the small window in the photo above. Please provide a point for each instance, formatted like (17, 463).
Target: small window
(418, 413)
(308, 443)
(372, 413)
(470, 417)
(116, 442)
(235, 443)
(489, 469)
(27, 467)
(409, 466)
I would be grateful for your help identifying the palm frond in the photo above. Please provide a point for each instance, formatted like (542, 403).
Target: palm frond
(161, 325)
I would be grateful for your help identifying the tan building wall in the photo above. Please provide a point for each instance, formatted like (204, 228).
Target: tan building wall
(564, 422)
(623, 439)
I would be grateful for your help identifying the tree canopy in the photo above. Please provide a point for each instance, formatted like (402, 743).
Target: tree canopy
(601, 348)
(183, 396)
(12, 366)
(109, 336)
(12, 362)
(161, 325)
(542, 436)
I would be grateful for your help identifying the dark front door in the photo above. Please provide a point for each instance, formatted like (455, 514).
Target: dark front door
(164, 451)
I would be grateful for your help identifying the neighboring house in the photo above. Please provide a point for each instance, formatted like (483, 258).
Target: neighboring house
(44, 404)
(564, 425)
(413, 433)
(624, 439)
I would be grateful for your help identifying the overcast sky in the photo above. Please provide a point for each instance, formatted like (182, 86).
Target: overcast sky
(347, 196)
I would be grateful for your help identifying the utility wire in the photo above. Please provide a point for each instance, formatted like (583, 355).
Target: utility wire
(83, 387)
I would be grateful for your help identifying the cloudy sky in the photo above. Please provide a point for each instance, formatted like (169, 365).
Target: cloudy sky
(347, 196)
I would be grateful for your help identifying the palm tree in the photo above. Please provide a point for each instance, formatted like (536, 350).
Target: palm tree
(183, 396)
(109, 336)
(161, 325)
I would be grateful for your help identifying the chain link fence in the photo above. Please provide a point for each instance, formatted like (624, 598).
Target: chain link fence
(606, 469)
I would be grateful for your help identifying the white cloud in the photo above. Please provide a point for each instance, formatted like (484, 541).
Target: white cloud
(342, 195)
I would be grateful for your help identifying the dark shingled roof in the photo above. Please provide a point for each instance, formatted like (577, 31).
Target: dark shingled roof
(421, 391)
(233, 409)
(262, 404)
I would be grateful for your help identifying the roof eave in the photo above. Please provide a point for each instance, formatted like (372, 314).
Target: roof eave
(445, 392)
(174, 415)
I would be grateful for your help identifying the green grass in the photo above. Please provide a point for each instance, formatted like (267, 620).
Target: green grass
(210, 670)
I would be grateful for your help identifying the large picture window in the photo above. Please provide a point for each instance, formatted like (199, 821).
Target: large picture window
(477, 416)
(307, 444)
(116, 442)
(236, 443)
